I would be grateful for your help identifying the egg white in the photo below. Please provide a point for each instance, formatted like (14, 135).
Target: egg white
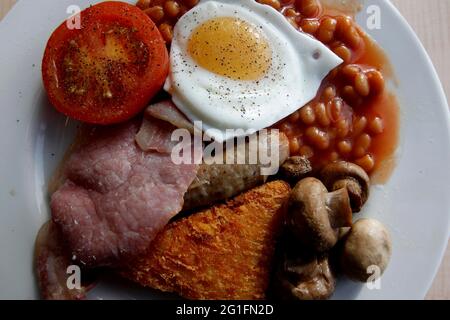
(299, 64)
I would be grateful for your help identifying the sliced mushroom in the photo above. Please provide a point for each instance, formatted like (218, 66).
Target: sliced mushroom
(295, 168)
(348, 175)
(301, 278)
(366, 249)
(315, 215)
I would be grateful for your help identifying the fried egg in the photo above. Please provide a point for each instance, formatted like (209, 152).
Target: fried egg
(238, 64)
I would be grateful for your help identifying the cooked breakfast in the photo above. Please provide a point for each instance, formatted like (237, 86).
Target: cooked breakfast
(225, 149)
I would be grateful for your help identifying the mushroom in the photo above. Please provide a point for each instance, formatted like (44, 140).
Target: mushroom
(341, 174)
(302, 278)
(295, 168)
(368, 244)
(315, 215)
(343, 232)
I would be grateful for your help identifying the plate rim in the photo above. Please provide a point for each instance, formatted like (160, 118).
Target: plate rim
(446, 109)
(442, 105)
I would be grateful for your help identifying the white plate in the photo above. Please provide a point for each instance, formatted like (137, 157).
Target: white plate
(414, 204)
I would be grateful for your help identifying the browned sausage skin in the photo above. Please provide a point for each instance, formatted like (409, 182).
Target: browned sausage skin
(217, 182)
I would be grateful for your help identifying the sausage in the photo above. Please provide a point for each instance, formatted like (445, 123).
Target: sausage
(217, 182)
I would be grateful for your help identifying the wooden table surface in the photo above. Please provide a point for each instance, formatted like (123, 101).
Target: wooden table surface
(430, 21)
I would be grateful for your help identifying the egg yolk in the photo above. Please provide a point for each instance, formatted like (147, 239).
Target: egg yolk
(232, 48)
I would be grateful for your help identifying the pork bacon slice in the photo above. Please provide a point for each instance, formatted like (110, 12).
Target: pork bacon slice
(116, 197)
(52, 260)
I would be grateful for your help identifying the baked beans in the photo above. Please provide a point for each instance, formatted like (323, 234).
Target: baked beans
(294, 145)
(333, 127)
(318, 138)
(291, 13)
(343, 52)
(326, 30)
(351, 37)
(165, 13)
(328, 93)
(342, 122)
(350, 95)
(293, 118)
(320, 111)
(362, 84)
(143, 4)
(344, 147)
(344, 23)
(307, 115)
(376, 82)
(350, 71)
(367, 162)
(309, 26)
(166, 31)
(362, 144)
(342, 128)
(308, 8)
(172, 9)
(335, 109)
(273, 3)
(287, 128)
(359, 125)
(155, 13)
(376, 126)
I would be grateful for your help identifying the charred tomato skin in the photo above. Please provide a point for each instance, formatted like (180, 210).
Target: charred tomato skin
(107, 70)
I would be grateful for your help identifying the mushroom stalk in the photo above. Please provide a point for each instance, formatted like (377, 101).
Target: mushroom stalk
(315, 215)
(304, 278)
(339, 209)
(339, 175)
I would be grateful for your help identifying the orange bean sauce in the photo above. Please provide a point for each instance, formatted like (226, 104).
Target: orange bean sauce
(372, 145)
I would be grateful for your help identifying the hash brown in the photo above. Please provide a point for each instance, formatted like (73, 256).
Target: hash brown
(224, 252)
